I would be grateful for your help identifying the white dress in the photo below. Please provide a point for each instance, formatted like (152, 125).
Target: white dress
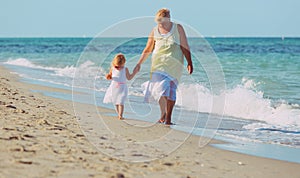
(117, 91)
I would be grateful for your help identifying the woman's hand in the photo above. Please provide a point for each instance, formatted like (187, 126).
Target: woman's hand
(190, 68)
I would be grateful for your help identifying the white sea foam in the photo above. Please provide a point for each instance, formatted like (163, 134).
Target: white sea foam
(240, 102)
(26, 63)
(85, 69)
(21, 62)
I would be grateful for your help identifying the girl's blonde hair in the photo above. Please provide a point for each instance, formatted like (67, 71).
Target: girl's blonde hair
(118, 60)
(162, 13)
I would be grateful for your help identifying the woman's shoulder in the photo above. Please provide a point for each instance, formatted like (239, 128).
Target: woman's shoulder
(179, 26)
(180, 29)
(154, 29)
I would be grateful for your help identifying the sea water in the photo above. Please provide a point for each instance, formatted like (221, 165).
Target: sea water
(262, 76)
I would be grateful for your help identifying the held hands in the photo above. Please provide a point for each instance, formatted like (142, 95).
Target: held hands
(190, 68)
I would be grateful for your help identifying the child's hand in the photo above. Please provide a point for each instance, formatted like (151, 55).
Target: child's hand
(108, 76)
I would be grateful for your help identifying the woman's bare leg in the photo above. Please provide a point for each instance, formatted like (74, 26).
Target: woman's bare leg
(170, 106)
(163, 108)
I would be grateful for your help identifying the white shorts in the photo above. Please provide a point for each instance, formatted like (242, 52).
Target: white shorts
(161, 84)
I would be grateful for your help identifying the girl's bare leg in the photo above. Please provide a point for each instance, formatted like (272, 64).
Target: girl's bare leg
(117, 109)
(121, 110)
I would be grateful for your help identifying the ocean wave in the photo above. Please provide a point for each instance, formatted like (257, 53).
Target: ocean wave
(242, 101)
(22, 62)
(85, 69)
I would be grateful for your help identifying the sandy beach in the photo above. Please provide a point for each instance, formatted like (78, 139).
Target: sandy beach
(40, 137)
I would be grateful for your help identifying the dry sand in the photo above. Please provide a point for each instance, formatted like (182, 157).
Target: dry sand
(41, 137)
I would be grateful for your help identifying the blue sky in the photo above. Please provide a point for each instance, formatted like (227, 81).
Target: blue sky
(51, 18)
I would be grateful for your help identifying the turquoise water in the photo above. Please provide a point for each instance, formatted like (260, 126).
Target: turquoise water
(272, 63)
(262, 78)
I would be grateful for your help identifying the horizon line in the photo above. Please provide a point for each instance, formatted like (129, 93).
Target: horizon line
(208, 36)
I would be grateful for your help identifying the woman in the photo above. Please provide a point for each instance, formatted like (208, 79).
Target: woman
(168, 44)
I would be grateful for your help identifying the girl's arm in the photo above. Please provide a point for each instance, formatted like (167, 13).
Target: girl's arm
(109, 75)
(147, 51)
(128, 75)
(185, 48)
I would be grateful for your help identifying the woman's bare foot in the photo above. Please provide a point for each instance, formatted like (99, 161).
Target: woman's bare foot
(169, 123)
(121, 118)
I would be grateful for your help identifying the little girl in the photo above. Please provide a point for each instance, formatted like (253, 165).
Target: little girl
(117, 91)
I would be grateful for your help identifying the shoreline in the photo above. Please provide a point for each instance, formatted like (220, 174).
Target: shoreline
(40, 137)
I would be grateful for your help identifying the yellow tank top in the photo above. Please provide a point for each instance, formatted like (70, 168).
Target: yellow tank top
(167, 56)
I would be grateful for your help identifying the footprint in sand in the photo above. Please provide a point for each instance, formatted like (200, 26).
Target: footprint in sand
(11, 106)
(25, 161)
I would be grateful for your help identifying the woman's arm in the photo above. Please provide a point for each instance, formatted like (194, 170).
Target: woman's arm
(185, 48)
(128, 75)
(147, 51)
